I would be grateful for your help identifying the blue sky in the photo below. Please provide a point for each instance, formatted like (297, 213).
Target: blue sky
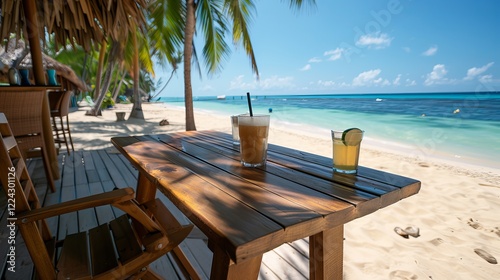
(354, 46)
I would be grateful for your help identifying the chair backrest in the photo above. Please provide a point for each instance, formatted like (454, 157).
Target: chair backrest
(55, 98)
(23, 110)
(64, 106)
(59, 102)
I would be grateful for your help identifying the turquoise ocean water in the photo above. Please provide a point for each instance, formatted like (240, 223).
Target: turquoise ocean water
(458, 126)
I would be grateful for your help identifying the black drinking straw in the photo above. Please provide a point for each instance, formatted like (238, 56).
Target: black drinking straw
(249, 104)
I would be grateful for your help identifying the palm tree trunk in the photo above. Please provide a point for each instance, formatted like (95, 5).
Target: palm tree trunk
(96, 110)
(100, 65)
(119, 85)
(188, 53)
(137, 107)
(112, 62)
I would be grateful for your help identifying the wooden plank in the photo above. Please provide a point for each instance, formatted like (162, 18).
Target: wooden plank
(199, 256)
(68, 172)
(125, 239)
(74, 261)
(290, 261)
(68, 223)
(281, 267)
(87, 217)
(78, 168)
(104, 213)
(120, 179)
(301, 246)
(124, 168)
(102, 253)
(90, 169)
(100, 167)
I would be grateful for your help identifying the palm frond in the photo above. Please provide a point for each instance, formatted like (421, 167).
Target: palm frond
(241, 12)
(211, 20)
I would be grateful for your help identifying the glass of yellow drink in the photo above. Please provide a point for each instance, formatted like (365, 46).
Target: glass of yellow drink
(253, 132)
(346, 146)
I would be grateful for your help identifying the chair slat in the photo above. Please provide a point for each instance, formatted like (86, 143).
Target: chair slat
(125, 239)
(9, 142)
(74, 261)
(50, 245)
(102, 253)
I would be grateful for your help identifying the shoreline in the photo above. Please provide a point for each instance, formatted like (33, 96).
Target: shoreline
(456, 209)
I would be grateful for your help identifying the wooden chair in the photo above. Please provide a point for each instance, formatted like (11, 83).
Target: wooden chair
(59, 108)
(24, 111)
(148, 231)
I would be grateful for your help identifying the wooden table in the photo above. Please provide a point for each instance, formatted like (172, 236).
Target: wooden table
(246, 212)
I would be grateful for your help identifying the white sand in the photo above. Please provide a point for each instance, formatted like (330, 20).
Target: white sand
(457, 209)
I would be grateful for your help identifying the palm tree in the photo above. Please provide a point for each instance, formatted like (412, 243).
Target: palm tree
(212, 17)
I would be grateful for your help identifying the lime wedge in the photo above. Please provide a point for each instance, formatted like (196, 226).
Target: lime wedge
(352, 136)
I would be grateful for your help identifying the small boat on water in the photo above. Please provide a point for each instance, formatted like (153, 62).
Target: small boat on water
(378, 99)
(221, 97)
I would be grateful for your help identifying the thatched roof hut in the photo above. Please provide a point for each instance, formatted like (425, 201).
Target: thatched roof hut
(83, 22)
(17, 55)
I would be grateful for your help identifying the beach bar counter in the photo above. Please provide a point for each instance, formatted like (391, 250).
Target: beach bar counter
(246, 212)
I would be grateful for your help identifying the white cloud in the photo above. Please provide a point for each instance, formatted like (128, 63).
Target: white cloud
(384, 82)
(407, 49)
(239, 83)
(410, 82)
(437, 76)
(377, 40)
(486, 79)
(430, 51)
(396, 81)
(326, 83)
(207, 88)
(474, 71)
(306, 67)
(276, 82)
(334, 54)
(314, 60)
(273, 82)
(367, 78)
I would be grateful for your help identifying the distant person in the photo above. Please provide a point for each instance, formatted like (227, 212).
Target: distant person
(270, 110)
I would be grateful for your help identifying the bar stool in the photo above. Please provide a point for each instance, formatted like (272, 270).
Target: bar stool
(59, 108)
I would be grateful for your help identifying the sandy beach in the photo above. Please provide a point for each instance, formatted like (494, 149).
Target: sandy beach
(457, 209)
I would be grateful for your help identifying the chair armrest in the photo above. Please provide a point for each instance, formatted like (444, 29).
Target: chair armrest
(115, 196)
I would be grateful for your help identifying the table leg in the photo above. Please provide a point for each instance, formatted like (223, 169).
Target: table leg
(145, 191)
(224, 268)
(326, 252)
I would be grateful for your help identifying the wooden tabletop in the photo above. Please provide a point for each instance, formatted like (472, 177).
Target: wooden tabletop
(249, 211)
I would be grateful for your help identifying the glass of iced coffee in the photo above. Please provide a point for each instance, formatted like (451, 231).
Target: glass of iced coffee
(253, 132)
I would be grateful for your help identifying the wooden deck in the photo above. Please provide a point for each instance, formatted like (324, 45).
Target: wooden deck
(90, 172)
